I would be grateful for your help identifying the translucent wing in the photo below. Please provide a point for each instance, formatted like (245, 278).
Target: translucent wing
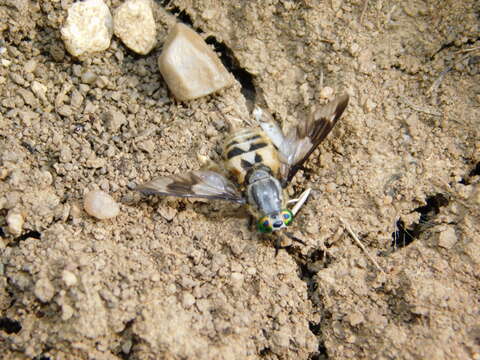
(304, 138)
(194, 184)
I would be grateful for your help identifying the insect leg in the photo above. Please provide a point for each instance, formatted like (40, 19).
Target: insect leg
(300, 201)
(294, 238)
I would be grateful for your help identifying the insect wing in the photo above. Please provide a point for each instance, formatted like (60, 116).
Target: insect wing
(303, 139)
(194, 184)
(269, 127)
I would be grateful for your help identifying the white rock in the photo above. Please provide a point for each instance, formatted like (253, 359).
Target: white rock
(369, 105)
(39, 89)
(237, 279)
(189, 66)
(188, 300)
(15, 223)
(69, 278)
(134, 24)
(326, 92)
(67, 312)
(44, 290)
(89, 27)
(100, 205)
(447, 238)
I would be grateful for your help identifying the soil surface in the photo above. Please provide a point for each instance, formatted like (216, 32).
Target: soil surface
(176, 279)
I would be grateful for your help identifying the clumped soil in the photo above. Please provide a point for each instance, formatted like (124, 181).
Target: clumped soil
(180, 279)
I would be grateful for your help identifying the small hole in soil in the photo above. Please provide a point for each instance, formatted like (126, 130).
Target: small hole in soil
(314, 328)
(402, 237)
(321, 354)
(29, 234)
(476, 170)
(232, 64)
(10, 326)
(265, 351)
(405, 236)
(180, 14)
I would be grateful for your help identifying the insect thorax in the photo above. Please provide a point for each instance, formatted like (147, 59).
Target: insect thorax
(247, 149)
(264, 192)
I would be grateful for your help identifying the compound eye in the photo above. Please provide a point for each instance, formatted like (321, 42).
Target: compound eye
(264, 225)
(287, 217)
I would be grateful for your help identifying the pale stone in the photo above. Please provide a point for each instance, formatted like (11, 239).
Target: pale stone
(100, 205)
(88, 77)
(447, 238)
(89, 27)
(147, 146)
(237, 279)
(44, 290)
(188, 300)
(331, 187)
(190, 67)
(67, 312)
(69, 278)
(326, 92)
(15, 223)
(369, 105)
(134, 24)
(39, 90)
(114, 120)
(355, 318)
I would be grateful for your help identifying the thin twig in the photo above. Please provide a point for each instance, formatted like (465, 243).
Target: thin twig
(359, 243)
(468, 50)
(425, 110)
(390, 13)
(364, 10)
(440, 77)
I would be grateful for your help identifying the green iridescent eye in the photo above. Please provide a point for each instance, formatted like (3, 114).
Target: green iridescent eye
(264, 226)
(287, 216)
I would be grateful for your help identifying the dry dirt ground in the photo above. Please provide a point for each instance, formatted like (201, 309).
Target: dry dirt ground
(175, 279)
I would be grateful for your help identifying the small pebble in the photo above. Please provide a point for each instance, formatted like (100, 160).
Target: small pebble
(100, 205)
(44, 290)
(69, 278)
(89, 27)
(67, 312)
(355, 318)
(15, 223)
(190, 67)
(447, 238)
(387, 200)
(188, 300)
(88, 77)
(331, 187)
(127, 346)
(326, 92)
(134, 24)
(30, 66)
(39, 90)
(147, 146)
(114, 120)
(237, 279)
(369, 105)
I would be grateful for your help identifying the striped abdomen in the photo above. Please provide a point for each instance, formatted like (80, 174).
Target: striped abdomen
(246, 148)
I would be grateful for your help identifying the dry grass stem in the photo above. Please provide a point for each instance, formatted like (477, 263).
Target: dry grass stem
(357, 240)
(440, 77)
(364, 10)
(426, 110)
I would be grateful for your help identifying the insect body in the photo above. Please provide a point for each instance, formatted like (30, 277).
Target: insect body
(262, 161)
(253, 159)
